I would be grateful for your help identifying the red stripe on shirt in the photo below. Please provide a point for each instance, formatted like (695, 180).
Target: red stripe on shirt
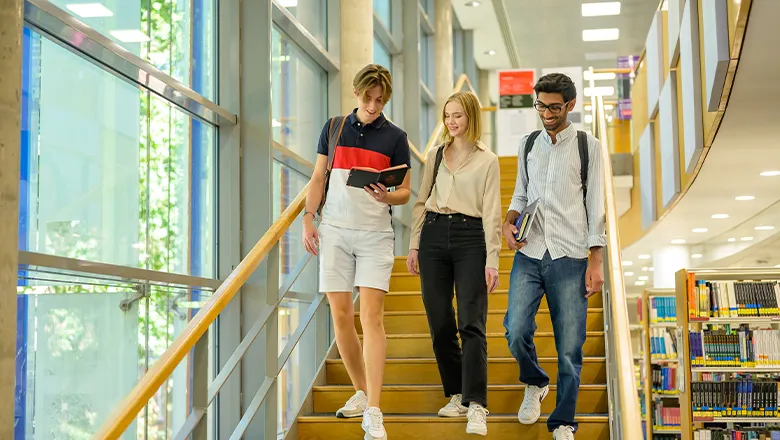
(349, 157)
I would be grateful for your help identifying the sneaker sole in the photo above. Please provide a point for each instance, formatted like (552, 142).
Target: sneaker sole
(546, 391)
(477, 431)
(348, 415)
(450, 415)
(371, 437)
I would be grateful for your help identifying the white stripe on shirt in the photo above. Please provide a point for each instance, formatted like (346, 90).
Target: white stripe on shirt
(562, 226)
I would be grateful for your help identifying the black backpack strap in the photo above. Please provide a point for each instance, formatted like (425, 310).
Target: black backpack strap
(582, 141)
(436, 165)
(529, 145)
(334, 134)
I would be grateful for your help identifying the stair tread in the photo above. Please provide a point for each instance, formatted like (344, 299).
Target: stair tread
(429, 387)
(406, 274)
(543, 311)
(489, 335)
(427, 418)
(495, 360)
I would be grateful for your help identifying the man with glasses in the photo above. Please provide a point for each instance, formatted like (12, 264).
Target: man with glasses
(561, 168)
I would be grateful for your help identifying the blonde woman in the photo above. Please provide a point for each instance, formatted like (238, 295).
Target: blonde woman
(456, 239)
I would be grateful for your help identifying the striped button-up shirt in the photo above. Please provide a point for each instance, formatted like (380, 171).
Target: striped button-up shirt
(564, 225)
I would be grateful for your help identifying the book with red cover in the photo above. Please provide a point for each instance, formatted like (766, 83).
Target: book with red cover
(360, 177)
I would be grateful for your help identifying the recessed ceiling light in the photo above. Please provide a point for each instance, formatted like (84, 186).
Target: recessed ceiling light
(732, 240)
(652, 269)
(642, 278)
(720, 216)
(628, 274)
(639, 283)
(700, 230)
(130, 36)
(643, 257)
(746, 239)
(601, 76)
(678, 241)
(628, 263)
(90, 10)
(696, 256)
(644, 269)
(764, 228)
(600, 91)
(599, 9)
(600, 34)
(490, 52)
(608, 107)
(770, 173)
(743, 198)
(588, 108)
(473, 4)
(588, 119)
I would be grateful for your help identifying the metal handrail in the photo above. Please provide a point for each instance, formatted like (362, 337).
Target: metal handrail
(625, 412)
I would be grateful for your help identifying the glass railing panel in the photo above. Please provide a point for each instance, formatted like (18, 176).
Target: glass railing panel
(85, 343)
(110, 173)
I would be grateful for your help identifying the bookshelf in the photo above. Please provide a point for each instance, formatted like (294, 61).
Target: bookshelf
(661, 400)
(729, 340)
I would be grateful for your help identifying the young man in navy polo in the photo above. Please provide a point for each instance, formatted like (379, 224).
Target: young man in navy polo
(355, 240)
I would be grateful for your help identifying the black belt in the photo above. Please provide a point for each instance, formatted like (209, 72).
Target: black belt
(430, 215)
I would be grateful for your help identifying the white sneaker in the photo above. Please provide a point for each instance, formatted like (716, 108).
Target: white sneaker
(563, 433)
(373, 424)
(355, 406)
(532, 403)
(477, 420)
(455, 408)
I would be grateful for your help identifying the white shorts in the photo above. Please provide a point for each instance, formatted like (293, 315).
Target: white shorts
(352, 258)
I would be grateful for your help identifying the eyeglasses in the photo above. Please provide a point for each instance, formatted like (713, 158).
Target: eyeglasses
(554, 108)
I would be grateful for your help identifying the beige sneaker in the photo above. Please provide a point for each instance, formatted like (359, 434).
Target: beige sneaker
(455, 408)
(355, 406)
(477, 420)
(532, 404)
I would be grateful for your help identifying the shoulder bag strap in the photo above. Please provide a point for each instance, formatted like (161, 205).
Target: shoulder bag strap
(529, 145)
(436, 165)
(582, 141)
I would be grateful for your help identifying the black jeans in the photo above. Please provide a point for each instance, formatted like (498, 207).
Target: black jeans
(452, 252)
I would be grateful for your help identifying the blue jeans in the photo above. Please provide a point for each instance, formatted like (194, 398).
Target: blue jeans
(563, 281)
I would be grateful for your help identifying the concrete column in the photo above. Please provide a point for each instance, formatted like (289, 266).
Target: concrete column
(10, 114)
(443, 53)
(411, 71)
(667, 261)
(357, 45)
(487, 117)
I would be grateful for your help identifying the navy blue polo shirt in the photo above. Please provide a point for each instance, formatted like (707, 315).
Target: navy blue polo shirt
(378, 145)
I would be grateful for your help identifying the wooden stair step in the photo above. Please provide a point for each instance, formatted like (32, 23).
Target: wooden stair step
(404, 322)
(505, 260)
(407, 281)
(419, 345)
(427, 427)
(400, 301)
(427, 399)
(501, 371)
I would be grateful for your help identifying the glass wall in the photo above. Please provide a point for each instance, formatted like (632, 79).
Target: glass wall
(312, 15)
(382, 57)
(382, 9)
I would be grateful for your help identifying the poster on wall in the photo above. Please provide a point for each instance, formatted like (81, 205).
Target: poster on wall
(575, 73)
(515, 115)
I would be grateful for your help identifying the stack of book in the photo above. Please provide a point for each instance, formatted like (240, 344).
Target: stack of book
(665, 416)
(712, 299)
(744, 397)
(662, 344)
(663, 309)
(664, 379)
(742, 347)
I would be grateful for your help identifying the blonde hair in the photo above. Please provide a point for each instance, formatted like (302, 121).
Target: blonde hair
(371, 76)
(471, 107)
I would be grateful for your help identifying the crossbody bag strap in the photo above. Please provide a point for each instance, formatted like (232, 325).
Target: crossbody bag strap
(436, 165)
(529, 145)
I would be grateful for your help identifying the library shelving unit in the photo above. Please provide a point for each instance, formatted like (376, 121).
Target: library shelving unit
(728, 334)
(638, 325)
(660, 391)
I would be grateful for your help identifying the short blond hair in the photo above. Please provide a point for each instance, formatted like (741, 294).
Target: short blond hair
(371, 76)
(473, 110)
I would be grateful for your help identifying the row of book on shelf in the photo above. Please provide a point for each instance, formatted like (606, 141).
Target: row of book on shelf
(713, 299)
(735, 397)
(740, 347)
(665, 416)
(664, 379)
(737, 433)
(662, 344)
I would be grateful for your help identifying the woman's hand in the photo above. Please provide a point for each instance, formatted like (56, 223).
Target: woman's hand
(377, 191)
(412, 263)
(491, 279)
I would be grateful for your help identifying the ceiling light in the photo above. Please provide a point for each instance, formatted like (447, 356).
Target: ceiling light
(588, 108)
(599, 9)
(770, 173)
(130, 36)
(764, 228)
(90, 10)
(629, 274)
(678, 241)
(588, 119)
(642, 278)
(743, 198)
(602, 76)
(608, 107)
(746, 239)
(732, 240)
(639, 283)
(651, 269)
(643, 257)
(600, 34)
(720, 216)
(490, 52)
(628, 263)
(289, 3)
(700, 230)
(696, 256)
(644, 269)
(473, 4)
(599, 91)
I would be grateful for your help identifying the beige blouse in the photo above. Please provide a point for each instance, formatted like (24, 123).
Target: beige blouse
(474, 189)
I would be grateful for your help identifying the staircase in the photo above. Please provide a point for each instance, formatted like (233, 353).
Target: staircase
(412, 394)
